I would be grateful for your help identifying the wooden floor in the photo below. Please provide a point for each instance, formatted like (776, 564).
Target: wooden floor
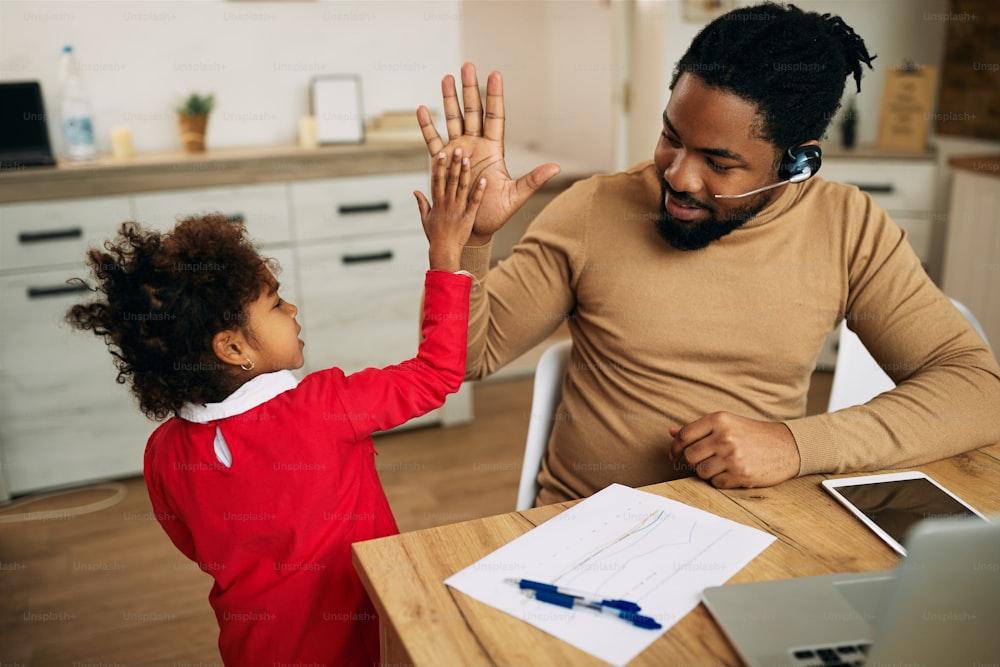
(107, 588)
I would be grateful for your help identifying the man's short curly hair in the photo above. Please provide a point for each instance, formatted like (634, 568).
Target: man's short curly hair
(163, 297)
(791, 64)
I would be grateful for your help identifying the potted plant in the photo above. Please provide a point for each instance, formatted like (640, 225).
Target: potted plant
(849, 124)
(192, 114)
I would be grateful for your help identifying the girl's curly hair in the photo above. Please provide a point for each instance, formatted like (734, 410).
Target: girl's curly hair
(163, 297)
(792, 64)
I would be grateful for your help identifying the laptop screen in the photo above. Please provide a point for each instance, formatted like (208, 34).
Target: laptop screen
(24, 134)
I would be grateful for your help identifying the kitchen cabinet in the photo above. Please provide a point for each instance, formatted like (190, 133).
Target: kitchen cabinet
(362, 256)
(972, 245)
(264, 209)
(62, 415)
(341, 221)
(356, 328)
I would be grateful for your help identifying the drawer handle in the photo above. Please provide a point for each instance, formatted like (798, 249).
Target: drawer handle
(878, 188)
(57, 290)
(235, 217)
(348, 209)
(370, 257)
(50, 235)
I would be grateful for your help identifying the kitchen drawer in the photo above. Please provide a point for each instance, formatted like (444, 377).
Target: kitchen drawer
(63, 418)
(263, 208)
(361, 301)
(342, 207)
(51, 233)
(896, 185)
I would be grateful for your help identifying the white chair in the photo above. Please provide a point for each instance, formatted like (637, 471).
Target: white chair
(857, 377)
(546, 394)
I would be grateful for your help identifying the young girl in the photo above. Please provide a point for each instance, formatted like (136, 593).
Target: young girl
(262, 480)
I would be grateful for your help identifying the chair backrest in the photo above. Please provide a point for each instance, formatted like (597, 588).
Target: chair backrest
(857, 377)
(545, 398)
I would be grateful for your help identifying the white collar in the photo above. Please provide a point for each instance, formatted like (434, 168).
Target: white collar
(259, 390)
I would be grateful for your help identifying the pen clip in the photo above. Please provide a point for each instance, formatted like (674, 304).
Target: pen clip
(552, 597)
(641, 621)
(527, 584)
(622, 605)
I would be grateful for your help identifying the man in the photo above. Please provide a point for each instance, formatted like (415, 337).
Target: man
(699, 287)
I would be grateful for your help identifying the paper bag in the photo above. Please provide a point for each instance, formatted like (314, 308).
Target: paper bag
(907, 101)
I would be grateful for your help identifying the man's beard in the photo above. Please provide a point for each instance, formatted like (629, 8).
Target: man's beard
(697, 235)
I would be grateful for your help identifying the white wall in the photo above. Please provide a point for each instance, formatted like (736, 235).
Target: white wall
(257, 57)
(561, 73)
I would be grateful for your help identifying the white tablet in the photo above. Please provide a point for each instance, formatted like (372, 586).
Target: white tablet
(890, 504)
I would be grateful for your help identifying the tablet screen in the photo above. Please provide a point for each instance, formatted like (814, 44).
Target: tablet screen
(895, 506)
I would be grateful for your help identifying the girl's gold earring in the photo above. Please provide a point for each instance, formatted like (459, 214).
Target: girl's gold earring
(250, 367)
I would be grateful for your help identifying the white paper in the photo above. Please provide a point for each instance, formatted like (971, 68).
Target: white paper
(619, 543)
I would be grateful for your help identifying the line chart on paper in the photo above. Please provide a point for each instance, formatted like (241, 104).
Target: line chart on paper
(637, 563)
(619, 543)
(641, 561)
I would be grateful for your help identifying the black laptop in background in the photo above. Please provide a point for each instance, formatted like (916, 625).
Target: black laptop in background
(24, 133)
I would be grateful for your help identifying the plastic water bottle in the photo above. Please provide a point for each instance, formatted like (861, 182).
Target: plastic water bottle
(77, 119)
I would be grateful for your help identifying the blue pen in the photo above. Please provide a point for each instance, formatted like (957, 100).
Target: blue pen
(623, 609)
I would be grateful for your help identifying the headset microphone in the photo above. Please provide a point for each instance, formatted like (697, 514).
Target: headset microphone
(799, 164)
(766, 187)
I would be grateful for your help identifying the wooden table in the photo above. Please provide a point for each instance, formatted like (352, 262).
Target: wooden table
(424, 622)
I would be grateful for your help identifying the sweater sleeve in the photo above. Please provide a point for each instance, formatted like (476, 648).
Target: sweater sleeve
(948, 383)
(380, 399)
(528, 294)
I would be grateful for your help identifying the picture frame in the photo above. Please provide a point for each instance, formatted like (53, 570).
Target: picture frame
(335, 103)
(907, 102)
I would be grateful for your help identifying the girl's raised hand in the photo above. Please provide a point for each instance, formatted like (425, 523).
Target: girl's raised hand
(448, 218)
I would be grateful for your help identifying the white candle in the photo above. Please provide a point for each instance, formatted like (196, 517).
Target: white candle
(307, 133)
(121, 142)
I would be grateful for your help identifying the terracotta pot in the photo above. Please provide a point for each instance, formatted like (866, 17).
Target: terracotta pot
(193, 132)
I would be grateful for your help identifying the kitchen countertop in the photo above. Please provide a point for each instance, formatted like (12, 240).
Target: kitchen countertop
(172, 170)
(987, 165)
(169, 170)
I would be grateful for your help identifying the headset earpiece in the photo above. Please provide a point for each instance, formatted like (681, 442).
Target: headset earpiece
(800, 163)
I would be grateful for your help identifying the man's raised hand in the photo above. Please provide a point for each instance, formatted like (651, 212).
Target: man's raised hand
(481, 138)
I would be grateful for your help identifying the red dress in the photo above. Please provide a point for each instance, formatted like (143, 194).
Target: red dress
(275, 528)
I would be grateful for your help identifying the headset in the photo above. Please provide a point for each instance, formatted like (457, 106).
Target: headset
(798, 164)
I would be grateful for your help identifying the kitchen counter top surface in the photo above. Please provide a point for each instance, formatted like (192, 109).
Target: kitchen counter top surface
(168, 170)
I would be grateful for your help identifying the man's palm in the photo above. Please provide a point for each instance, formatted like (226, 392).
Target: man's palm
(481, 138)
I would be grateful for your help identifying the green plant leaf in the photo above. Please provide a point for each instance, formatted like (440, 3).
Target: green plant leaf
(196, 105)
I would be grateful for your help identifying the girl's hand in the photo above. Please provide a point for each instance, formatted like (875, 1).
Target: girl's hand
(456, 199)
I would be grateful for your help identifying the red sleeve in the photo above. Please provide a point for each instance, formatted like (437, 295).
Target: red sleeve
(379, 399)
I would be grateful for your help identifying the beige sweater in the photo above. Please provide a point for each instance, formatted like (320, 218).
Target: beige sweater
(662, 337)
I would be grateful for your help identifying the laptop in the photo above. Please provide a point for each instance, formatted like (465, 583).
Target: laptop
(939, 607)
(24, 133)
